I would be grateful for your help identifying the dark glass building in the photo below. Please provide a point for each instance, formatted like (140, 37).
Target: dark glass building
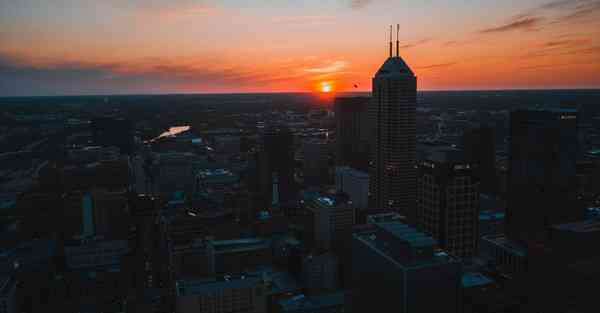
(352, 132)
(276, 164)
(479, 148)
(542, 175)
(448, 201)
(393, 116)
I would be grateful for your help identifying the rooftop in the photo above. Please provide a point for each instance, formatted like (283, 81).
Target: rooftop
(302, 302)
(506, 244)
(580, 227)
(394, 67)
(407, 234)
(240, 245)
(475, 279)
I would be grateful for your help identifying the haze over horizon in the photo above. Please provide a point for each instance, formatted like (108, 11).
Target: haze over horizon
(186, 46)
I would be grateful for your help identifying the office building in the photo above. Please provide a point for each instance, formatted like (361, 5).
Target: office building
(320, 273)
(239, 255)
(479, 148)
(276, 159)
(542, 174)
(355, 184)
(242, 293)
(352, 132)
(109, 212)
(316, 162)
(392, 112)
(334, 217)
(448, 201)
(398, 268)
(175, 172)
(94, 253)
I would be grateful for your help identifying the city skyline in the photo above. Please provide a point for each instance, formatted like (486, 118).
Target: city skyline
(184, 46)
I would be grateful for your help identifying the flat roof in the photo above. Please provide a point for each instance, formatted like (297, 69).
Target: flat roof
(302, 302)
(506, 244)
(475, 279)
(240, 245)
(407, 234)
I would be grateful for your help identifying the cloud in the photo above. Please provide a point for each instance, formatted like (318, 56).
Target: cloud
(333, 67)
(558, 65)
(21, 76)
(440, 65)
(520, 23)
(416, 43)
(568, 43)
(359, 4)
(572, 10)
(303, 19)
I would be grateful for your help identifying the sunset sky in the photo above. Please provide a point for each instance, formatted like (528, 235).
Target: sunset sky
(178, 46)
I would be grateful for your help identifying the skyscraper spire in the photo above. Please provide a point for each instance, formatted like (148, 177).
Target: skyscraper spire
(397, 40)
(391, 41)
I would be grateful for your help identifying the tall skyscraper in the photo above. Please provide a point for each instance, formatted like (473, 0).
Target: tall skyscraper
(352, 132)
(479, 148)
(354, 183)
(316, 162)
(393, 118)
(276, 157)
(542, 175)
(448, 202)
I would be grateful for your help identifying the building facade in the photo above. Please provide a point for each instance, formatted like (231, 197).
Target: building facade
(352, 132)
(542, 172)
(398, 268)
(448, 203)
(354, 183)
(393, 118)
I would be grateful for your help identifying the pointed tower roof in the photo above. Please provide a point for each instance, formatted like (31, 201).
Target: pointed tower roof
(393, 67)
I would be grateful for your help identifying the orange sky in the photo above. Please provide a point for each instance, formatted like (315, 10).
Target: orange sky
(155, 46)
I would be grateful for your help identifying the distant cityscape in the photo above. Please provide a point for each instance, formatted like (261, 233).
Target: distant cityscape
(389, 201)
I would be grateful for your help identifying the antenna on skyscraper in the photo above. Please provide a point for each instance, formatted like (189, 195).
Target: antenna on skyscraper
(391, 27)
(398, 40)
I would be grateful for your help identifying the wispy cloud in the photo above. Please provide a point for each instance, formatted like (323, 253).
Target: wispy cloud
(359, 4)
(568, 43)
(19, 76)
(440, 65)
(415, 43)
(526, 23)
(333, 67)
(303, 19)
(572, 10)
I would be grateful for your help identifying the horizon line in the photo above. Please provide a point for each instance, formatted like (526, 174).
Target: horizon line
(333, 94)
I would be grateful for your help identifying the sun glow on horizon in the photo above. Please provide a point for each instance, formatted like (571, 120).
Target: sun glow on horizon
(326, 87)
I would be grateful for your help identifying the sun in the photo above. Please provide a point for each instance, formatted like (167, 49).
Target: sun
(326, 87)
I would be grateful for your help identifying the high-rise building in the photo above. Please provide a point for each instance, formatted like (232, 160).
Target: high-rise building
(276, 156)
(245, 293)
(399, 269)
(393, 118)
(479, 148)
(542, 175)
(320, 273)
(448, 202)
(334, 217)
(316, 162)
(355, 184)
(352, 132)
